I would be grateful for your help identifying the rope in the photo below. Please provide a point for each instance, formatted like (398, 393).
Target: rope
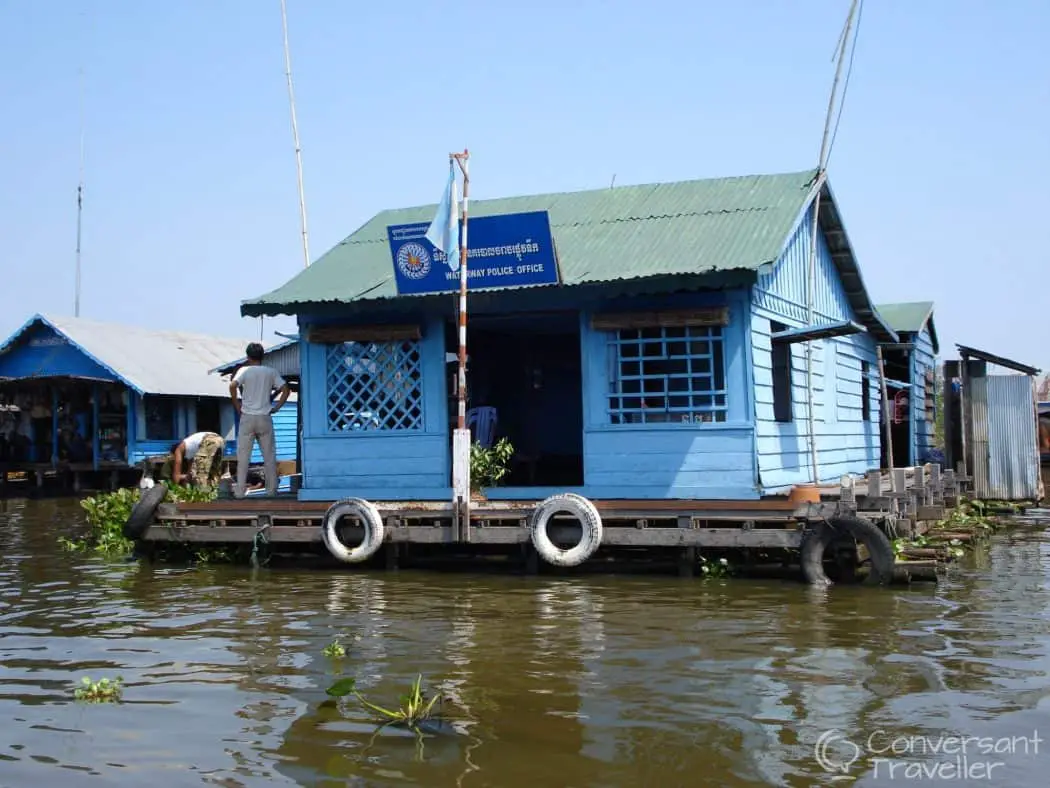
(260, 538)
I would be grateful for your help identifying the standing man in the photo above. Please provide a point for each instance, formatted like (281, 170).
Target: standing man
(204, 452)
(256, 384)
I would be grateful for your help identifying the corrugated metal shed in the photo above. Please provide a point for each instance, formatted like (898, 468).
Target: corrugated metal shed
(283, 357)
(1005, 450)
(150, 361)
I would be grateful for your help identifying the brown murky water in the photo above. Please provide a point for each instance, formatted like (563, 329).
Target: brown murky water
(559, 682)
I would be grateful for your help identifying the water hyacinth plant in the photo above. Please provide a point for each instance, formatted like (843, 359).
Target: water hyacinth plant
(108, 512)
(102, 691)
(334, 650)
(414, 710)
(719, 568)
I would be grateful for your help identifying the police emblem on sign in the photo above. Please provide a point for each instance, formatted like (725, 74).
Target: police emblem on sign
(413, 260)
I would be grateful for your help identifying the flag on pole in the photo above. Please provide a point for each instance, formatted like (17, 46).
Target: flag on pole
(444, 229)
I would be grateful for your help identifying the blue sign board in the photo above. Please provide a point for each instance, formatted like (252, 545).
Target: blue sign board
(506, 250)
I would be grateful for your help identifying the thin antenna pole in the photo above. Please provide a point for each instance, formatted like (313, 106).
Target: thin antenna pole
(295, 135)
(612, 183)
(812, 278)
(80, 194)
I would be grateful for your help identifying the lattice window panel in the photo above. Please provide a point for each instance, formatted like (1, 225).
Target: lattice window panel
(667, 375)
(374, 386)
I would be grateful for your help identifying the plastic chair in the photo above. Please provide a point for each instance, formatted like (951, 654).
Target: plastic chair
(483, 419)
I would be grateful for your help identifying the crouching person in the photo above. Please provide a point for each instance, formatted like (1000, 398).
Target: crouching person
(203, 451)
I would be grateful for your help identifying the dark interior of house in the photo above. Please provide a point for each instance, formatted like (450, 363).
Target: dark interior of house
(527, 368)
(896, 364)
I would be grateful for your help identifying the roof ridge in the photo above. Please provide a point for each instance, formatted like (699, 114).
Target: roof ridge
(598, 189)
(59, 320)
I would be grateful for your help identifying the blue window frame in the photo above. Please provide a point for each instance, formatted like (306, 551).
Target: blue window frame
(374, 386)
(667, 375)
(160, 416)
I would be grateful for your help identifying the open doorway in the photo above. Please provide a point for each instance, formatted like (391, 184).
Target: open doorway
(899, 412)
(527, 367)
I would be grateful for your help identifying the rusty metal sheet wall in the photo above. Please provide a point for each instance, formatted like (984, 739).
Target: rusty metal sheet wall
(1007, 464)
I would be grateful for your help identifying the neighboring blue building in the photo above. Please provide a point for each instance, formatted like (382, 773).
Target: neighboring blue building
(911, 378)
(668, 361)
(95, 396)
(283, 357)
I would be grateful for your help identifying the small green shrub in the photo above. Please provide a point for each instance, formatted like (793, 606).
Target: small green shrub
(489, 466)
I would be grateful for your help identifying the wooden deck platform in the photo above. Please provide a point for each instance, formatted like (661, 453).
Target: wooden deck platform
(908, 497)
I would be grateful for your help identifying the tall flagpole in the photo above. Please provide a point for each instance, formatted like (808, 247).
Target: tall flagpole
(461, 436)
(463, 160)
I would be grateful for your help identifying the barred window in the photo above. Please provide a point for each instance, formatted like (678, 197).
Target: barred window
(374, 386)
(666, 374)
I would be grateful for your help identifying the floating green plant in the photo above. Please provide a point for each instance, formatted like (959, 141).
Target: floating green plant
(107, 513)
(719, 568)
(415, 707)
(101, 691)
(334, 650)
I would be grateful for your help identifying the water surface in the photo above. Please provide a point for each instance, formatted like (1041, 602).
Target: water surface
(597, 681)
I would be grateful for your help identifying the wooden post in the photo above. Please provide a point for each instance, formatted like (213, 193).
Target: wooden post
(920, 484)
(936, 491)
(54, 427)
(874, 484)
(950, 370)
(885, 409)
(847, 491)
(95, 449)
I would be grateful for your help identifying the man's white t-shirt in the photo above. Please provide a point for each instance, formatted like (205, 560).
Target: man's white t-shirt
(257, 383)
(192, 444)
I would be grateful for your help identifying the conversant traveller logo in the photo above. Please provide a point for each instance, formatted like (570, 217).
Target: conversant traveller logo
(903, 758)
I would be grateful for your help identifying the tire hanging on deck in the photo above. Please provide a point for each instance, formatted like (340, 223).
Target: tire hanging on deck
(143, 514)
(820, 536)
(590, 521)
(371, 522)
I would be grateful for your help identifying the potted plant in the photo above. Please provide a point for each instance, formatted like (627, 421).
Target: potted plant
(488, 466)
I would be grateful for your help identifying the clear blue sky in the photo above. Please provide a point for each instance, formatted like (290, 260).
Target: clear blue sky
(941, 165)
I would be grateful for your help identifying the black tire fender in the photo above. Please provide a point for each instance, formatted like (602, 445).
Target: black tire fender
(590, 521)
(820, 535)
(143, 513)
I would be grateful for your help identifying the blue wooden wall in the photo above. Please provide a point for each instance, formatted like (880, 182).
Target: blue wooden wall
(43, 352)
(400, 464)
(671, 460)
(649, 461)
(845, 442)
(923, 359)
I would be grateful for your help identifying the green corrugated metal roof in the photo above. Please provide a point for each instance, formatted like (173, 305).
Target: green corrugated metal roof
(910, 316)
(627, 232)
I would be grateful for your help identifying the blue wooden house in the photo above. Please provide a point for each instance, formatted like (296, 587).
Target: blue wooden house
(89, 396)
(911, 380)
(637, 342)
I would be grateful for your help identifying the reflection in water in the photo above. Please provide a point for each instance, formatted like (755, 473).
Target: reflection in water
(615, 681)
